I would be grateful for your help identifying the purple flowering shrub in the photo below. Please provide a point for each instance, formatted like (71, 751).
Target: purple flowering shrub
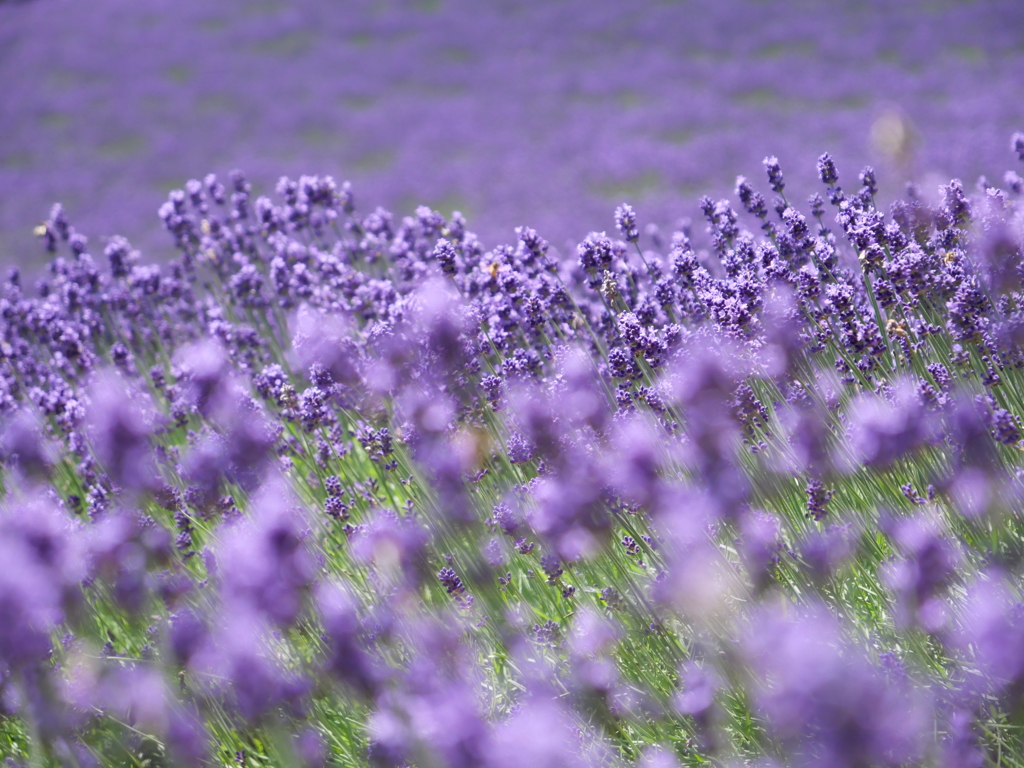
(333, 487)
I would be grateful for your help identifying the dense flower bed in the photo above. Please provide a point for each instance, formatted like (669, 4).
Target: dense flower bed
(546, 113)
(335, 488)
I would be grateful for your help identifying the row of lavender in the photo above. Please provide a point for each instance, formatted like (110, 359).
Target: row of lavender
(332, 488)
(547, 113)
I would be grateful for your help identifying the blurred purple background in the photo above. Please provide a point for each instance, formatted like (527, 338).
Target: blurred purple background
(546, 114)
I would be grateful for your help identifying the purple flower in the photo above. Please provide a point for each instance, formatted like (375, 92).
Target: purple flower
(824, 700)
(867, 179)
(635, 460)
(1004, 425)
(827, 170)
(188, 741)
(541, 734)
(1013, 181)
(41, 565)
(826, 551)
(323, 338)
(24, 444)
(1017, 144)
(311, 408)
(234, 664)
(204, 370)
(508, 522)
(445, 255)
(393, 544)
(595, 252)
(188, 632)
(121, 422)
(450, 581)
(570, 512)
(882, 430)
(752, 201)
(774, 171)
(961, 747)
(697, 700)
(625, 222)
(347, 659)
(135, 693)
(921, 576)
(594, 634)
(704, 380)
(760, 546)
(263, 562)
(519, 449)
(818, 498)
(990, 635)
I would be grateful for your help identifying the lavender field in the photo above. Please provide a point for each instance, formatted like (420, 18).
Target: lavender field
(556, 385)
(543, 114)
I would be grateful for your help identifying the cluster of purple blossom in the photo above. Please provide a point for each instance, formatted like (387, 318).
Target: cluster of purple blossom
(335, 488)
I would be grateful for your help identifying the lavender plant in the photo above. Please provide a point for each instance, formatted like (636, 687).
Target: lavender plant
(336, 488)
